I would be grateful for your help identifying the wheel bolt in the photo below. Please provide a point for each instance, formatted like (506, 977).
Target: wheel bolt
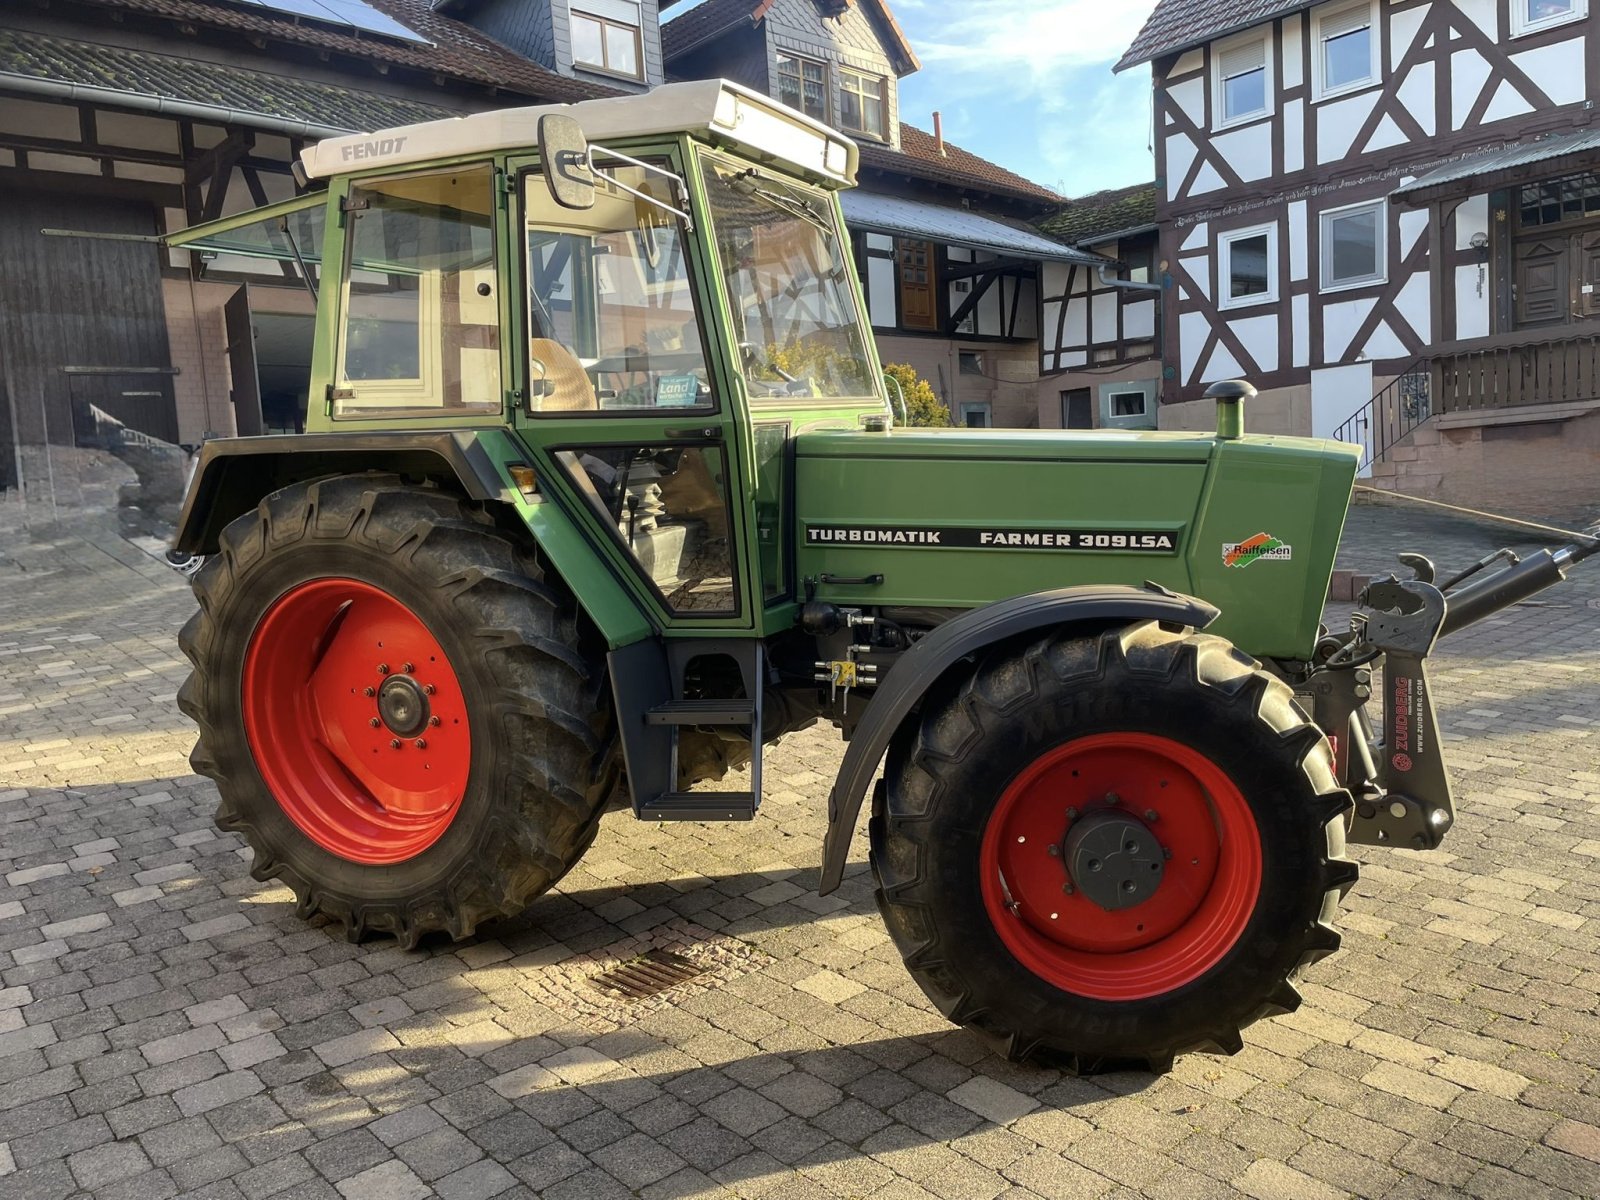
(429, 688)
(408, 668)
(1054, 851)
(1113, 798)
(433, 721)
(394, 743)
(1166, 852)
(370, 691)
(1150, 814)
(383, 668)
(422, 743)
(1067, 889)
(1072, 814)
(374, 722)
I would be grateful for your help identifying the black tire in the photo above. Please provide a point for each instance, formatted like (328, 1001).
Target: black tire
(532, 680)
(946, 773)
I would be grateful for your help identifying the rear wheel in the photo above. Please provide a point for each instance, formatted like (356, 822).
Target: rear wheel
(404, 719)
(1107, 851)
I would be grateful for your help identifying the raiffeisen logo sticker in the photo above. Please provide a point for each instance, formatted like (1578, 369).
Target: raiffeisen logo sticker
(1252, 550)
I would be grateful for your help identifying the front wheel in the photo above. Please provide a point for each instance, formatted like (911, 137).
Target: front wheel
(1107, 851)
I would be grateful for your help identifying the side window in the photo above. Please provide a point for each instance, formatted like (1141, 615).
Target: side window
(669, 507)
(772, 503)
(612, 319)
(421, 327)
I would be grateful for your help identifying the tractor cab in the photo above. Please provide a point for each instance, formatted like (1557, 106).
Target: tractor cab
(644, 296)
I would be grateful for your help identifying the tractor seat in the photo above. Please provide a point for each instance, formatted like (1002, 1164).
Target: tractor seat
(568, 386)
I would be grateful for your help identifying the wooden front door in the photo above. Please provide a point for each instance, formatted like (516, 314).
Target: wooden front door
(1542, 274)
(1587, 285)
(919, 308)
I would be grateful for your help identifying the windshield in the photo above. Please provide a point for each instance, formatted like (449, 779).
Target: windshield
(612, 322)
(794, 311)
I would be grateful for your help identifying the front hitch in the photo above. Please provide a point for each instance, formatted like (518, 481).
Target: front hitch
(1401, 787)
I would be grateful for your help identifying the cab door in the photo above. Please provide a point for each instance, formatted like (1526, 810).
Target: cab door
(619, 393)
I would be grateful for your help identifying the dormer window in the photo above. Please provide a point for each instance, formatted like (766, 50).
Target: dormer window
(1346, 49)
(1242, 81)
(1534, 16)
(803, 84)
(861, 104)
(606, 37)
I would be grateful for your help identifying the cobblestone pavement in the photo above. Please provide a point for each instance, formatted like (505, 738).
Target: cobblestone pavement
(167, 1026)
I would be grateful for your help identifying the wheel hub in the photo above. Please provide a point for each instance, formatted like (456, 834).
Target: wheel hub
(403, 705)
(1113, 859)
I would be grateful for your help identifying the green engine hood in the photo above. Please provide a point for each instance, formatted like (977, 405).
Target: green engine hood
(964, 517)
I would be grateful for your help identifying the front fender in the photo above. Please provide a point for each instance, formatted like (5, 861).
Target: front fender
(920, 667)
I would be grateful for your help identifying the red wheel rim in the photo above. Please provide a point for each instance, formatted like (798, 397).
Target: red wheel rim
(1205, 897)
(356, 721)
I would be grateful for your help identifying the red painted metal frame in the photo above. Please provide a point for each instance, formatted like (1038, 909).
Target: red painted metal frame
(344, 778)
(1206, 896)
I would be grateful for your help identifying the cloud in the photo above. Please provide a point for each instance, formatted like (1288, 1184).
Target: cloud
(1010, 40)
(1028, 83)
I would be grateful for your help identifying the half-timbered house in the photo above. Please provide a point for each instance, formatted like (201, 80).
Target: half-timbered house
(123, 119)
(1101, 365)
(951, 265)
(1386, 214)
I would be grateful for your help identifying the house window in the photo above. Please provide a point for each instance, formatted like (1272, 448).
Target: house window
(1532, 16)
(1247, 262)
(1354, 246)
(971, 362)
(975, 414)
(605, 35)
(803, 84)
(861, 103)
(1127, 404)
(1570, 198)
(1241, 84)
(1346, 49)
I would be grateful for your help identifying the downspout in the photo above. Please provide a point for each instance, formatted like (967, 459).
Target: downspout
(213, 113)
(1130, 285)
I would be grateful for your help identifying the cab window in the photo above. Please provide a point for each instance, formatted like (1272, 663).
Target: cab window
(612, 320)
(421, 320)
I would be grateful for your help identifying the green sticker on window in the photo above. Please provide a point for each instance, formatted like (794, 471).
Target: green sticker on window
(677, 391)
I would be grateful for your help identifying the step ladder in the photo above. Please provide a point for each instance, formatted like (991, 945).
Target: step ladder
(648, 686)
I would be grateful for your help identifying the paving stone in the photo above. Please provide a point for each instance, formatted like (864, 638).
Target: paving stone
(104, 1165)
(387, 1181)
(168, 1013)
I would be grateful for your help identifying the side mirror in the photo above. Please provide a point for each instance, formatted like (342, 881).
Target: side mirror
(564, 150)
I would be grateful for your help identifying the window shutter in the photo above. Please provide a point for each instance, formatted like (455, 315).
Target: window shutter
(1240, 60)
(1348, 21)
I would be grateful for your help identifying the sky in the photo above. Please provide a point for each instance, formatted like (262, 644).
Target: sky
(1028, 84)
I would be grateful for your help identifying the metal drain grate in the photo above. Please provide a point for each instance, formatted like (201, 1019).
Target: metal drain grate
(652, 973)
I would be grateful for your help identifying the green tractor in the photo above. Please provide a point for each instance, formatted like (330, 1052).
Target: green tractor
(602, 493)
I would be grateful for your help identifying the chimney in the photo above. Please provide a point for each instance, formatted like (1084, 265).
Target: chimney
(938, 134)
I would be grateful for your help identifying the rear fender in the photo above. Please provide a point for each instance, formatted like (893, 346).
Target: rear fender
(919, 668)
(232, 475)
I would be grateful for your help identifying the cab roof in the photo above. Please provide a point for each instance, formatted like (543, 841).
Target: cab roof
(712, 109)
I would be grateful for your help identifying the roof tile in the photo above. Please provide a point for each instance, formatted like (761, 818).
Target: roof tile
(197, 82)
(1179, 24)
(458, 52)
(919, 157)
(1092, 217)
